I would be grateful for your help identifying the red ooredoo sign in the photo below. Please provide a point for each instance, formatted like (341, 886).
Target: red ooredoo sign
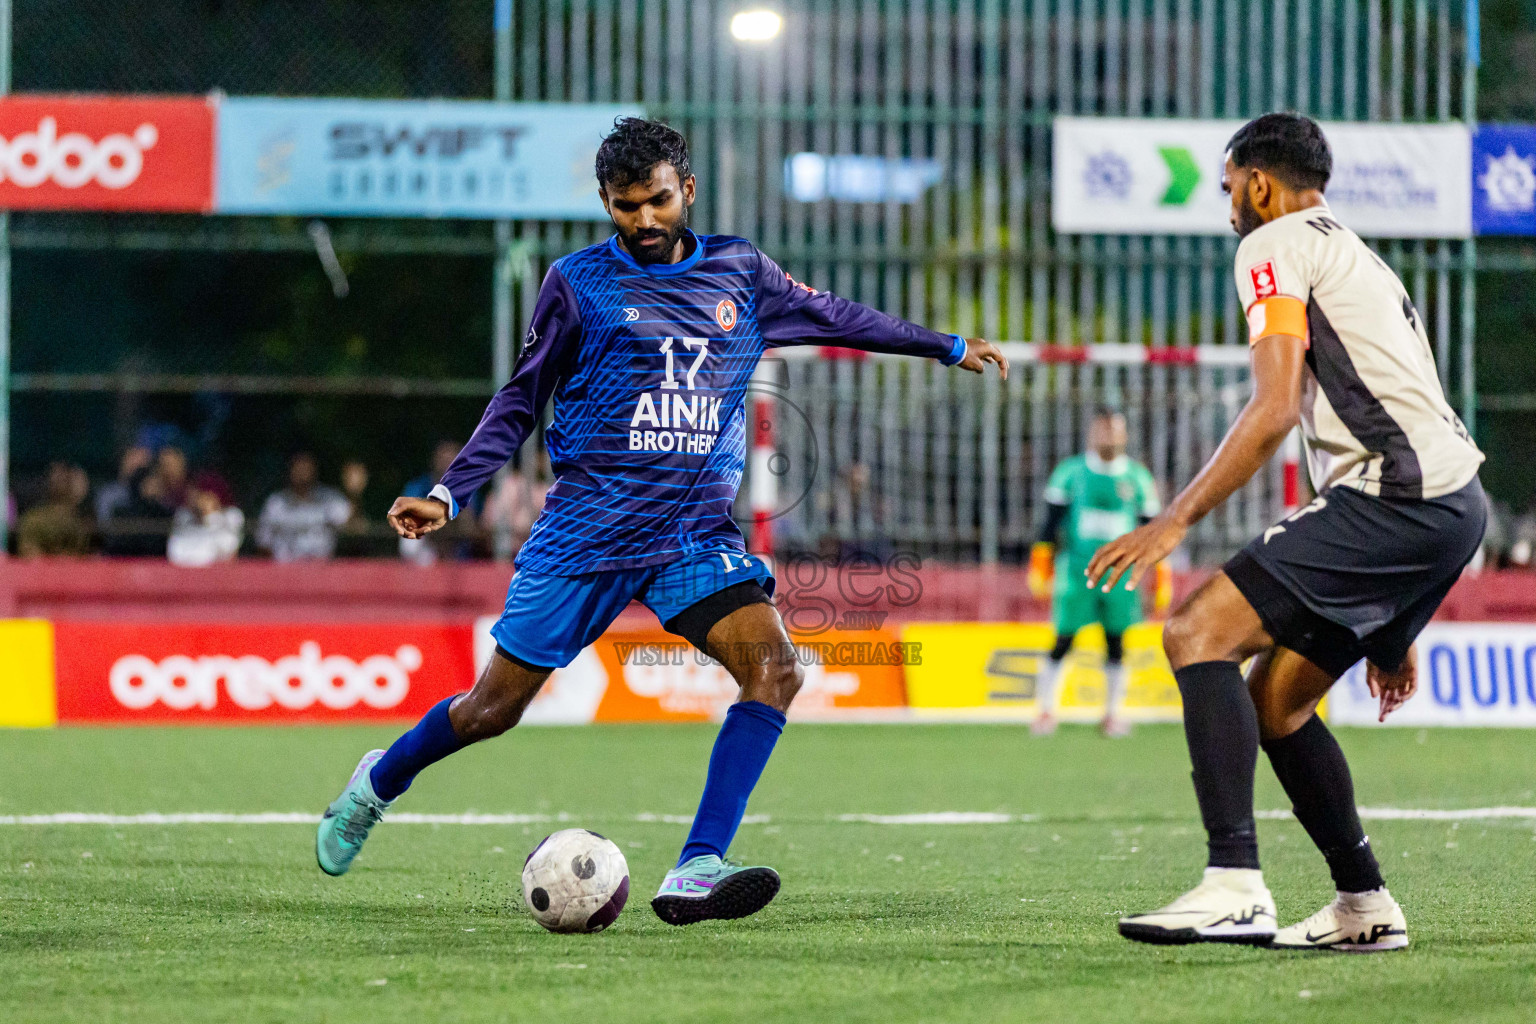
(106, 153)
(190, 672)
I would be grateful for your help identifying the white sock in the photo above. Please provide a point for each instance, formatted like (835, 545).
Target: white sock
(1372, 899)
(1114, 688)
(1045, 686)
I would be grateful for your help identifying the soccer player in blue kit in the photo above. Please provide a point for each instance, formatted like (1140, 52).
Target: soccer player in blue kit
(647, 343)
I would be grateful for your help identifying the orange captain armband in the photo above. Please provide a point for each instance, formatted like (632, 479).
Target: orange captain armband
(1278, 314)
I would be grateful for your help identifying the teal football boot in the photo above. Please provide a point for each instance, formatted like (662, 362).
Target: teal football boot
(707, 888)
(347, 822)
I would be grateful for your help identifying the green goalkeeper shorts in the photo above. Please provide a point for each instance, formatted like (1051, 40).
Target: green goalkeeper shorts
(1074, 605)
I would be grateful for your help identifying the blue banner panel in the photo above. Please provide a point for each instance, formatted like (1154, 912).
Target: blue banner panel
(1504, 179)
(411, 158)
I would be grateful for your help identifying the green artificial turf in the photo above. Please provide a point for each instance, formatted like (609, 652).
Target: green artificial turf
(876, 922)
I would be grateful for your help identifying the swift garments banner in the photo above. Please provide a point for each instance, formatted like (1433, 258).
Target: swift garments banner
(215, 672)
(106, 153)
(411, 158)
(1134, 176)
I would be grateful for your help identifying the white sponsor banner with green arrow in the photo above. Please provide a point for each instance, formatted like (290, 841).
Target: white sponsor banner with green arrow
(1144, 176)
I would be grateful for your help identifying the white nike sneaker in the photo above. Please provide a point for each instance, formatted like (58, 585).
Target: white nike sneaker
(1229, 905)
(1355, 922)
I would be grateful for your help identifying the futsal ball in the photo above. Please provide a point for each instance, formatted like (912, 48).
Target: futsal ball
(575, 881)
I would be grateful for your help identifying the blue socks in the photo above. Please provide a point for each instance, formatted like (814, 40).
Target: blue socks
(431, 740)
(741, 752)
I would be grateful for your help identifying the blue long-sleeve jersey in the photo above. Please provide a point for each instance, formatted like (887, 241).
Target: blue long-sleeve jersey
(649, 366)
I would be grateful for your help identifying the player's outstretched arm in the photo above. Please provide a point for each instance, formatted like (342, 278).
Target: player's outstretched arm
(1271, 412)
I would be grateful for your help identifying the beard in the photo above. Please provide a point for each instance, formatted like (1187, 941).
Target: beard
(1248, 219)
(642, 245)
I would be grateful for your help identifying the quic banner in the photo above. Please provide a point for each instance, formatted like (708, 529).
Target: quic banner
(106, 153)
(204, 672)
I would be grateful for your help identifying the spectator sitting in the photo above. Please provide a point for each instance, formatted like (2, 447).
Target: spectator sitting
(361, 536)
(213, 481)
(205, 530)
(142, 525)
(114, 496)
(164, 488)
(459, 538)
(354, 482)
(1522, 548)
(56, 526)
(300, 521)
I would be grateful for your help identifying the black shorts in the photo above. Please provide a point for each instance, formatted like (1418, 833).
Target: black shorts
(1353, 576)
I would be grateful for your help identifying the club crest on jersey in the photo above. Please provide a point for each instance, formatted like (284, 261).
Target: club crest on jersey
(725, 314)
(1263, 277)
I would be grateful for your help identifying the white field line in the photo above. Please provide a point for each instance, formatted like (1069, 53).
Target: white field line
(939, 818)
(1417, 814)
(932, 818)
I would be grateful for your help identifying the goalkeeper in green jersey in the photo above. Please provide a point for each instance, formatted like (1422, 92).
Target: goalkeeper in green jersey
(1090, 500)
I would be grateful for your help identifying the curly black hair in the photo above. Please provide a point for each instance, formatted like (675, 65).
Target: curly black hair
(635, 147)
(1289, 146)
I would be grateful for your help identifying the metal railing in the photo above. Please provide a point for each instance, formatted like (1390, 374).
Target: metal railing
(884, 454)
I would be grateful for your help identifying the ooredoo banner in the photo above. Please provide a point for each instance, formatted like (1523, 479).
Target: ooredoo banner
(106, 153)
(1162, 176)
(207, 672)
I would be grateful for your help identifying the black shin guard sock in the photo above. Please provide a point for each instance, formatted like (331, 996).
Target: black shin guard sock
(1316, 777)
(1222, 729)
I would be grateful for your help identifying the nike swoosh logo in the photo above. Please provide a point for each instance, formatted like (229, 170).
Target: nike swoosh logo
(1320, 938)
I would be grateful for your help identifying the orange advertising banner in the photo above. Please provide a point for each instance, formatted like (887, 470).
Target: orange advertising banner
(649, 675)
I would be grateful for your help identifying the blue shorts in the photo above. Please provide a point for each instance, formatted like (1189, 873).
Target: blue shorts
(551, 619)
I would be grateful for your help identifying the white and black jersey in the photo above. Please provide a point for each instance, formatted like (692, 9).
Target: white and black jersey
(1373, 415)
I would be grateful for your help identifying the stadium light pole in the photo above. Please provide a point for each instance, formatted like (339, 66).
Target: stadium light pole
(5, 309)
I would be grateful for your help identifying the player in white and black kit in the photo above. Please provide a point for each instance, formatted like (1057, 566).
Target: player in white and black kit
(1336, 343)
